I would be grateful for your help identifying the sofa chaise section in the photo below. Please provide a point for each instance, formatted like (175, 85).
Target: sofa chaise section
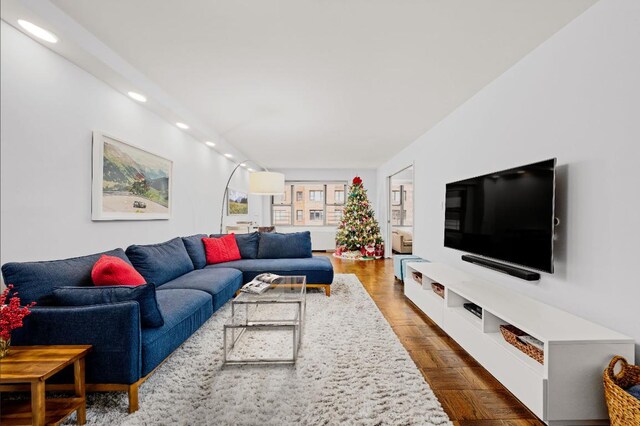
(317, 269)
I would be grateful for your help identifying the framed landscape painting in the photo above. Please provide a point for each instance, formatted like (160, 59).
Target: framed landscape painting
(129, 183)
(237, 202)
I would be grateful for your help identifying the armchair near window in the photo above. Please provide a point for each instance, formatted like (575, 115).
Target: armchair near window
(402, 241)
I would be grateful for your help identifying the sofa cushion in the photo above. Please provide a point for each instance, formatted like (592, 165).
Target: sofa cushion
(35, 281)
(184, 311)
(144, 294)
(159, 263)
(295, 245)
(220, 283)
(111, 270)
(223, 249)
(195, 248)
(247, 244)
(318, 269)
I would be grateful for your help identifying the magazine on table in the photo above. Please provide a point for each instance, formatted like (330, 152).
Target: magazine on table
(260, 284)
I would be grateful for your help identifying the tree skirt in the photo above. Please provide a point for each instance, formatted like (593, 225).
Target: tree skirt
(352, 369)
(354, 255)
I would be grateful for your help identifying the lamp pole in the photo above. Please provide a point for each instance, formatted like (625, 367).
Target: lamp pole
(226, 188)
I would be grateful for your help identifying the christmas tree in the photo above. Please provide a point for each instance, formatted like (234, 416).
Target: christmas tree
(358, 234)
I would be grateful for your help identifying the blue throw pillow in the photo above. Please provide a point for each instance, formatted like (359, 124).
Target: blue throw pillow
(161, 263)
(35, 281)
(247, 244)
(195, 248)
(296, 245)
(145, 295)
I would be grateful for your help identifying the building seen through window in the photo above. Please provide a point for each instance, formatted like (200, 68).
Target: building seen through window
(309, 204)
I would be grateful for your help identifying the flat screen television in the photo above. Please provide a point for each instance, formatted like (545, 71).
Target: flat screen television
(507, 216)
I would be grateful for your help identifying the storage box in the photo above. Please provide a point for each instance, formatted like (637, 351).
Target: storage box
(400, 261)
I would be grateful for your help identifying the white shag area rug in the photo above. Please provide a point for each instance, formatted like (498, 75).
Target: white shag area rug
(351, 370)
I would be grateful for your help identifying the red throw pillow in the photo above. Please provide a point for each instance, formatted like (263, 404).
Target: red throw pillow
(223, 249)
(111, 270)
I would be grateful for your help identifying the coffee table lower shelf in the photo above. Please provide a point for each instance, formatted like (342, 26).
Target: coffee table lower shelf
(57, 410)
(234, 334)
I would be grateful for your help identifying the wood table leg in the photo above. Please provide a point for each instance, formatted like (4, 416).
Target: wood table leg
(133, 397)
(37, 403)
(80, 389)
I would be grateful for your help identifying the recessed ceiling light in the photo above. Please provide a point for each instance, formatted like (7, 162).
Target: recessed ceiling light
(182, 125)
(211, 144)
(243, 164)
(41, 33)
(137, 96)
(228, 155)
(250, 169)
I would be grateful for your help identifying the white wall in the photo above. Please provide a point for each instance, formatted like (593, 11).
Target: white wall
(49, 107)
(577, 98)
(323, 237)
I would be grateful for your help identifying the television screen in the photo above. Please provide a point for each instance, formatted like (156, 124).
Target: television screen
(507, 215)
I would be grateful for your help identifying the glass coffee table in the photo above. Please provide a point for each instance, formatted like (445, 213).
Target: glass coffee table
(267, 328)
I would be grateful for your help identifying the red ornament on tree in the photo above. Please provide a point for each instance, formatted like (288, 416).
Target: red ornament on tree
(357, 180)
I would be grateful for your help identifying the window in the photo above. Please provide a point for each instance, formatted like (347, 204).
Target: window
(334, 215)
(281, 216)
(309, 204)
(402, 205)
(315, 215)
(315, 195)
(395, 197)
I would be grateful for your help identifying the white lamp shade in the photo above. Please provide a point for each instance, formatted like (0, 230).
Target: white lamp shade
(266, 183)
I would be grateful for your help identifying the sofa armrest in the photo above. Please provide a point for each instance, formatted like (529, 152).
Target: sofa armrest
(112, 329)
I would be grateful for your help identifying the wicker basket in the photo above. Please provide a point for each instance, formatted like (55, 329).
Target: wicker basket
(438, 289)
(624, 409)
(417, 276)
(511, 333)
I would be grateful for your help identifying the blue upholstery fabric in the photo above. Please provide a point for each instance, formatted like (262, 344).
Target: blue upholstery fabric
(195, 248)
(184, 311)
(34, 281)
(159, 263)
(220, 283)
(296, 245)
(144, 295)
(634, 391)
(318, 269)
(113, 330)
(247, 244)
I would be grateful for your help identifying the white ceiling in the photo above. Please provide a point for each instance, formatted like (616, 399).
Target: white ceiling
(322, 83)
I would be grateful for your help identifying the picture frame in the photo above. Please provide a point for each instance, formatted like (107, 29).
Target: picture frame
(237, 203)
(129, 182)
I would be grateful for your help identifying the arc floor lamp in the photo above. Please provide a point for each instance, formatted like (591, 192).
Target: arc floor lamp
(260, 183)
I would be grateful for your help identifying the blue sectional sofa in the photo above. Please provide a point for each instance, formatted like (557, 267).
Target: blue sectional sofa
(188, 292)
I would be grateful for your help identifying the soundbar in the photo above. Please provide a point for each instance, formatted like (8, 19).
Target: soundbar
(501, 267)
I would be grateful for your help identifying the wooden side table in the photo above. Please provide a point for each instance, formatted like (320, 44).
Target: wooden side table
(33, 365)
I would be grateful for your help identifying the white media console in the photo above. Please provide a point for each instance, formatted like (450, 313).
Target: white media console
(567, 389)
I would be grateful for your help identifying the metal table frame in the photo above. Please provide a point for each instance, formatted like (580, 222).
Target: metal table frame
(295, 325)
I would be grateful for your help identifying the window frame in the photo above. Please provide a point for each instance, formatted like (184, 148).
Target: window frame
(314, 192)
